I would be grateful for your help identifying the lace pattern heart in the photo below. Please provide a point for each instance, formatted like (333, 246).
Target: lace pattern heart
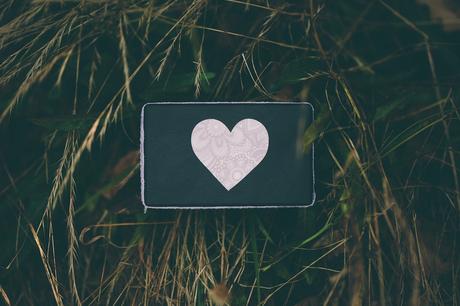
(230, 156)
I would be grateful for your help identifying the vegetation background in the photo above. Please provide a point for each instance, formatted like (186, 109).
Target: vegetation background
(383, 76)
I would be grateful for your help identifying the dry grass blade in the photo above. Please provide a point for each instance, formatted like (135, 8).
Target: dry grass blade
(5, 297)
(124, 58)
(74, 76)
(292, 278)
(72, 237)
(48, 270)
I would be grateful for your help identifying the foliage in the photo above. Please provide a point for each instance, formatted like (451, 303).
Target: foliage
(382, 76)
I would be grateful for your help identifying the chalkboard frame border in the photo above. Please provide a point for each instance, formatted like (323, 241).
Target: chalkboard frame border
(240, 206)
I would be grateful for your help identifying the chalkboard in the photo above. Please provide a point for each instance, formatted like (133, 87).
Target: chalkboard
(226, 155)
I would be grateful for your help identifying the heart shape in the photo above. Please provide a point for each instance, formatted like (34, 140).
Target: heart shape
(230, 156)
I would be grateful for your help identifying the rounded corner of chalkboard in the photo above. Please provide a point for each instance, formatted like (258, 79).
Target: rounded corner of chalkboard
(313, 201)
(144, 106)
(310, 105)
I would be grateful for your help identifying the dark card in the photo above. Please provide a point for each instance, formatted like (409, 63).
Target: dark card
(226, 155)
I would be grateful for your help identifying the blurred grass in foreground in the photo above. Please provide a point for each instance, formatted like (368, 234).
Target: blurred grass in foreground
(384, 80)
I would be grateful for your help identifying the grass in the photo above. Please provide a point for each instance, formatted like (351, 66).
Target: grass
(382, 75)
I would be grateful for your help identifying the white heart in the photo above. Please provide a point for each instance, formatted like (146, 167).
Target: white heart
(230, 156)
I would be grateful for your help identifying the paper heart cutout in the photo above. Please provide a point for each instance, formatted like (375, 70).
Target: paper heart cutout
(230, 156)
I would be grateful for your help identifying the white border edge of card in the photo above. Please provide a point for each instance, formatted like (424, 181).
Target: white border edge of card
(218, 207)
